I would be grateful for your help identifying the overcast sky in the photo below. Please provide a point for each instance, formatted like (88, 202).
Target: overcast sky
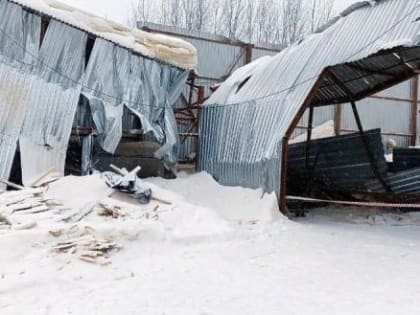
(118, 10)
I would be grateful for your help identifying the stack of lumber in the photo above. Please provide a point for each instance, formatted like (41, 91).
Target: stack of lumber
(85, 244)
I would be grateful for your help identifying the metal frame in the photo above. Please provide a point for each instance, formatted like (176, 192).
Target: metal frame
(309, 102)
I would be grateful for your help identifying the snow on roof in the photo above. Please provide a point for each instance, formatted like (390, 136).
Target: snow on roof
(165, 48)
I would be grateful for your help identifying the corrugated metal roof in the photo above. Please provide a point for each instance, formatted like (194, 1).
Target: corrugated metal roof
(276, 90)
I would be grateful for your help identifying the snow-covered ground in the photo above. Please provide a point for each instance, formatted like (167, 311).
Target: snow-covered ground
(218, 250)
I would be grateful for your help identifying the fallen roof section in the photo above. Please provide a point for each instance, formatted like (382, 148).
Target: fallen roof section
(370, 47)
(168, 49)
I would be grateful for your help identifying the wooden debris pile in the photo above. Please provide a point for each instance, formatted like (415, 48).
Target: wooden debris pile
(17, 208)
(85, 244)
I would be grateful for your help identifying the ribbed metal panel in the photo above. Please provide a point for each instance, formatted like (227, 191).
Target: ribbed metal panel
(393, 116)
(406, 182)
(246, 127)
(13, 97)
(262, 52)
(338, 163)
(18, 48)
(52, 101)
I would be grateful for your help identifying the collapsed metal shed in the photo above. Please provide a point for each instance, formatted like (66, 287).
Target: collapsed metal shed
(52, 54)
(246, 125)
(218, 58)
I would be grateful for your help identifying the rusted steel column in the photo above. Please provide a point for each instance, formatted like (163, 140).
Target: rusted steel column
(309, 136)
(248, 53)
(414, 109)
(285, 142)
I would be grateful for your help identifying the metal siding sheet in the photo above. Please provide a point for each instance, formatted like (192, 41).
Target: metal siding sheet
(259, 52)
(402, 91)
(391, 116)
(13, 98)
(338, 163)
(52, 101)
(18, 51)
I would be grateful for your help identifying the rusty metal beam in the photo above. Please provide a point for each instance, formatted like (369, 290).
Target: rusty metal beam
(285, 143)
(414, 109)
(378, 88)
(390, 98)
(309, 136)
(248, 53)
(368, 148)
(224, 41)
(385, 133)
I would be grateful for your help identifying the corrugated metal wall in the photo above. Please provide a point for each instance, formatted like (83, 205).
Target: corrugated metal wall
(391, 110)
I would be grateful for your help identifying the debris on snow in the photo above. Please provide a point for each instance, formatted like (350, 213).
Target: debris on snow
(62, 208)
(128, 182)
(85, 244)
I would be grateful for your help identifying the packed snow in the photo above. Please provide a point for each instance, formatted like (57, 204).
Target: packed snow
(169, 49)
(200, 248)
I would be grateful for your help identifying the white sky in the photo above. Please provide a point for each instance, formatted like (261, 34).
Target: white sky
(118, 10)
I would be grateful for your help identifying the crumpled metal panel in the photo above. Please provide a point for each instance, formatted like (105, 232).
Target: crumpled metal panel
(116, 78)
(242, 129)
(18, 46)
(106, 73)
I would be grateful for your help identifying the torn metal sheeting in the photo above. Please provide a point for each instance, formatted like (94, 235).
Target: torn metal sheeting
(41, 84)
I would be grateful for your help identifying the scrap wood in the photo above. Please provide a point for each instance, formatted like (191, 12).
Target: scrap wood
(46, 178)
(35, 210)
(13, 185)
(165, 202)
(24, 226)
(84, 243)
(97, 260)
(111, 211)
(4, 219)
(7, 220)
(84, 211)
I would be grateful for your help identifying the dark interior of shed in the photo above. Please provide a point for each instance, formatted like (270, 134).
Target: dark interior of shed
(350, 168)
